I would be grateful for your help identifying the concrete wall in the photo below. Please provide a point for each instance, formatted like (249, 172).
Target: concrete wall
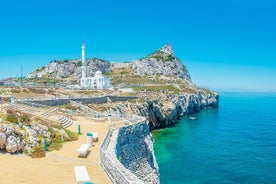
(95, 100)
(127, 154)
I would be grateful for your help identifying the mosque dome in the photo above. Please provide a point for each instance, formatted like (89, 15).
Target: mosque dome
(98, 72)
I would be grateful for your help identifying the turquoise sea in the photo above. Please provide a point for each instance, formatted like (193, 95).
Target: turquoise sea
(235, 143)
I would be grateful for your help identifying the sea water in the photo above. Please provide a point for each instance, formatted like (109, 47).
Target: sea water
(235, 143)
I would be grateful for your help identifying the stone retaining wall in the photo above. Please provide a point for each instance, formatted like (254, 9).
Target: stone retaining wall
(127, 154)
(95, 100)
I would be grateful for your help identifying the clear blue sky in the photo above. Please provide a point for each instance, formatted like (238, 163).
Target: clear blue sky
(226, 45)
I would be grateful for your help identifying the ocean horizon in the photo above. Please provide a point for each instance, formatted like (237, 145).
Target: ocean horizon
(235, 143)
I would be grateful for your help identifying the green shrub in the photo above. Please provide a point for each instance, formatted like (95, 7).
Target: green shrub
(38, 152)
(54, 146)
(24, 118)
(56, 138)
(72, 136)
(79, 63)
(12, 118)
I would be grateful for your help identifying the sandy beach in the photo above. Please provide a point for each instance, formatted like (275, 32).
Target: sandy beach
(58, 166)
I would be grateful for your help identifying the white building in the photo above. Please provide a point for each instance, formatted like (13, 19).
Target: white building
(96, 82)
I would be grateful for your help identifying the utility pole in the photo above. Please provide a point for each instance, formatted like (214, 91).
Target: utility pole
(21, 79)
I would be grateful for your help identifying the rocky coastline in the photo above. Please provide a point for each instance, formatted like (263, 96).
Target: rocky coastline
(163, 92)
(166, 109)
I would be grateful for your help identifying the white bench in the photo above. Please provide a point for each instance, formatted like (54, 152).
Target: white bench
(83, 150)
(95, 136)
(81, 174)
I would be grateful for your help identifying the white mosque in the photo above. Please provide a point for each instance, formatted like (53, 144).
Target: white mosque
(96, 82)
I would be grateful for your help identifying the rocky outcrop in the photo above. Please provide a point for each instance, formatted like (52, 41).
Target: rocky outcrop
(161, 63)
(164, 110)
(16, 138)
(70, 68)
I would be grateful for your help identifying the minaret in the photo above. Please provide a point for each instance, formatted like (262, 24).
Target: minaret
(83, 61)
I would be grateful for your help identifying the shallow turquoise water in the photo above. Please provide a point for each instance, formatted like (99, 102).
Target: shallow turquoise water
(233, 144)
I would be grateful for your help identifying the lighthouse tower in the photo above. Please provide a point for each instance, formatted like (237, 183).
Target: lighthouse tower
(83, 75)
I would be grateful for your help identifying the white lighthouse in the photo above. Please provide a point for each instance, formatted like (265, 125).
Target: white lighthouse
(83, 75)
(96, 82)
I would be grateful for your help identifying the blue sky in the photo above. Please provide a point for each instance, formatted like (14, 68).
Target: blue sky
(226, 45)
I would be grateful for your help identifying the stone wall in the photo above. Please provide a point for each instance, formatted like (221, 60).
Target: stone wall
(127, 154)
(95, 100)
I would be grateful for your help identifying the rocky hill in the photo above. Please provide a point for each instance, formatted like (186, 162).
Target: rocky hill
(70, 69)
(158, 67)
(162, 62)
(160, 81)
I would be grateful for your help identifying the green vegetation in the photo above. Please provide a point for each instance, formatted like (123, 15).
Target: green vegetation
(184, 89)
(15, 90)
(24, 118)
(180, 88)
(79, 64)
(130, 94)
(55, 146)
(37, 90)
(40, 69)
(170, 58)
(69, 106)
(121, 71)
(107, 74)
(157, 57)
(164, 88)
(208, 91)
(47, 79)
(100, 60)
(12, 118)
(60, 61)
(123, 76)
(161, 56)
(38, 152)
(72, 136)
(57, 141)
(86, 92)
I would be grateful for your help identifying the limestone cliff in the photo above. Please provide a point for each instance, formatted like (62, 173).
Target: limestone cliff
(163, 110)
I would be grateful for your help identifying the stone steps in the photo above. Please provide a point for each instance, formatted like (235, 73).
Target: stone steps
(65, 121)
(45, 115)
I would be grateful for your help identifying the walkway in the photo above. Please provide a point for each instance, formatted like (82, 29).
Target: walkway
(57, 166)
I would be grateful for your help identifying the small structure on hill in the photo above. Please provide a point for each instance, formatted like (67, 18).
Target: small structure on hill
(96, 82)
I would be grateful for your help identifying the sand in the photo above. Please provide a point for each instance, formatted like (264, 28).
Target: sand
(58, 166)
